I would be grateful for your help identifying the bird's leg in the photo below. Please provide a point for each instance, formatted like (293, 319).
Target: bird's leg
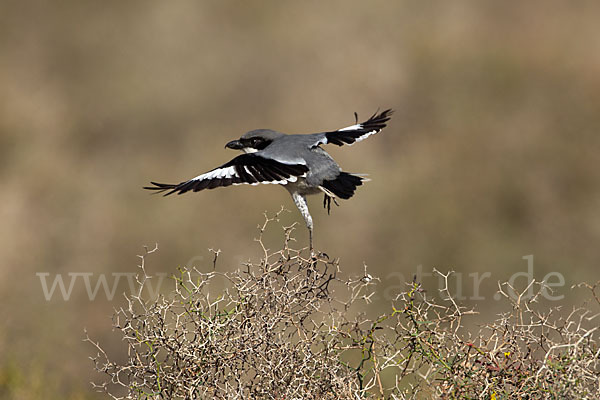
(300, 202)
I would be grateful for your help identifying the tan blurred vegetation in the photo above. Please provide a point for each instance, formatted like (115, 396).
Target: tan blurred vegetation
(491, 155)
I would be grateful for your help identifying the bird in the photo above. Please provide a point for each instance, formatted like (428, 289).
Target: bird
(295, 161)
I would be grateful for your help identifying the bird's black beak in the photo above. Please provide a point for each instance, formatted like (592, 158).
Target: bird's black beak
(234, 144)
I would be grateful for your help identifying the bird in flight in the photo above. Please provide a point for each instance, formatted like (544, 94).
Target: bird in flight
(297, 162)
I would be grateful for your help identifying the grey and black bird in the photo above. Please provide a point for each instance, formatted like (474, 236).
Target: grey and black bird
(297, 162)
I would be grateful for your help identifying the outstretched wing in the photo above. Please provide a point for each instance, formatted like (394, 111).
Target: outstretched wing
(244, 169)
(358, 132)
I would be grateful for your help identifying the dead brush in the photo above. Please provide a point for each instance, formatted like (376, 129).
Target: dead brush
(291, 327)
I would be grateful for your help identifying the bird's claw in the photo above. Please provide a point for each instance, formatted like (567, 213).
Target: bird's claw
(327, 203)
(318, 255)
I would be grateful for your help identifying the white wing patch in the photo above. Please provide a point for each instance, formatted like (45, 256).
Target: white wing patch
(363, 137)
(219, 173)
(356, 127)
(230, 172)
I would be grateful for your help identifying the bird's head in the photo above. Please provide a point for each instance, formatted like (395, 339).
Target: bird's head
(254, 141)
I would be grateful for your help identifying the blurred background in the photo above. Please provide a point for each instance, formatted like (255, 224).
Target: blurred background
(492, 153)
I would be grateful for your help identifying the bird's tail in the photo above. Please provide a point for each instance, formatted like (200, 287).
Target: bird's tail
(343, 186)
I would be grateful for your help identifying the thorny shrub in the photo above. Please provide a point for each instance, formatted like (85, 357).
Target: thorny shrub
(291, 327)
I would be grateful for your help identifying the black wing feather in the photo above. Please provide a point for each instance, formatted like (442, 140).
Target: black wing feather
(371, 126)
(246, 168)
